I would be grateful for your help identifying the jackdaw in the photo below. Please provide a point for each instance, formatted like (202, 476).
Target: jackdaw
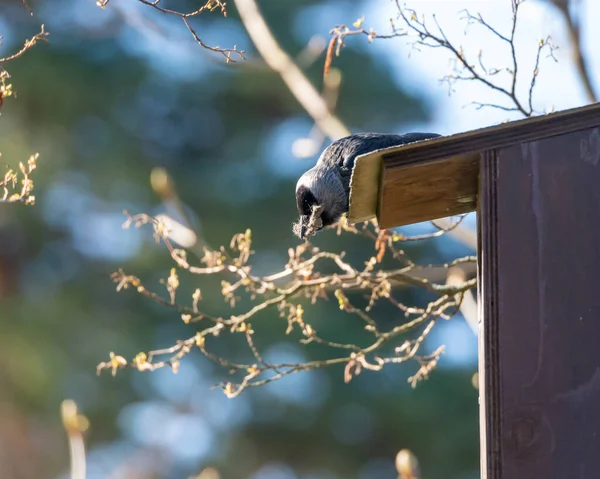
(323, 192)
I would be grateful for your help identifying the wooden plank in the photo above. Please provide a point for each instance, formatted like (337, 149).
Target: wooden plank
(487, 291)
(364, 187)
(499, 136)
(540, 274)
(409, 194)
(367, 198)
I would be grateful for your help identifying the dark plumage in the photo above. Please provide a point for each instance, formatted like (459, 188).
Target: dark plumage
(323, 192)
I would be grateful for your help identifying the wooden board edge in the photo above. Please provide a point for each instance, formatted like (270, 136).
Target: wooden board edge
(364, 187)
(490, 404)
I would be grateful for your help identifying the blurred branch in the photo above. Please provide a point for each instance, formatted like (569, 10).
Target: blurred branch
(75, 425)
(465, 235)
(468, 303)
(164, 186)
(309, 146)
(208, 473)
(27, 7)
(407, 465)
(280, 62)
(313, 50)
(573, 24)
(209, 6)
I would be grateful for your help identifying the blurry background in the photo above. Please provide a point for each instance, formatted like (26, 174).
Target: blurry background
(121, 90)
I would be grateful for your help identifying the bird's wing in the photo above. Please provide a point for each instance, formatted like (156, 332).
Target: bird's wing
(342, 153)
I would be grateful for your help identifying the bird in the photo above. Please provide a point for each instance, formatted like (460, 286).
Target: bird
(323, 192)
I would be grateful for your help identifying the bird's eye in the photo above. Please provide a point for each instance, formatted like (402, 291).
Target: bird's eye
(305, 200)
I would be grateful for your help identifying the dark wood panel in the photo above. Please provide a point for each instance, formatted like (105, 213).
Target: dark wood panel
(540, 277)
(429, 191)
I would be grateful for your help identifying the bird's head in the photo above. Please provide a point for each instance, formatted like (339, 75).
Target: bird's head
(321, 201)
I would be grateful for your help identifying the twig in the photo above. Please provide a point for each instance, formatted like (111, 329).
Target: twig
(230, 54)
(440, 40)
(282, 291)
(29, 44)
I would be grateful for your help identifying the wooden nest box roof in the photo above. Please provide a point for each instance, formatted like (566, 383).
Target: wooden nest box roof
(440, 177)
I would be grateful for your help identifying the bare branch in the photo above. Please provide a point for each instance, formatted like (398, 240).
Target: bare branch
(29, 44)
(427, 37)
(465, 69)
(75, 425)
(301, 280)
(230, 54)
(573, 24)
(545, 43)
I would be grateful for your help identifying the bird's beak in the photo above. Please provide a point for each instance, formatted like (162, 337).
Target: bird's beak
(303, 226)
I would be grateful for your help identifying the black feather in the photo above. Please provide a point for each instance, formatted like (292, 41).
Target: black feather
(342, 153)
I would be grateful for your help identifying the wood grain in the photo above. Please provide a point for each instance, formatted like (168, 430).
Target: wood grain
(420, 192)
(540, 275)
(364, 187)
